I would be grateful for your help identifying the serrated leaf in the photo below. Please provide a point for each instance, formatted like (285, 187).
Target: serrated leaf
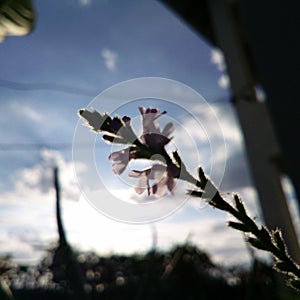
(294, 283)
(115, 124)
(176, 157)
(202, 176)
(265, 235)
(278, 239)
(114, 140)
(239, 204)
(257, 244)
(195, 193)
(283, 266)
(95, 120)
(238, 226)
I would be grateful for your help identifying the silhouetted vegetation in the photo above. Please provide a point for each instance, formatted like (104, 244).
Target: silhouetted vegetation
(182, 273)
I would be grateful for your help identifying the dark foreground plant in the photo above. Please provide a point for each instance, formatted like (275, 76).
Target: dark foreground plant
(167, 167)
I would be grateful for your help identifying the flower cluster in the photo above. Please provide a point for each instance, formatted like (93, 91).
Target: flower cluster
(150, 145)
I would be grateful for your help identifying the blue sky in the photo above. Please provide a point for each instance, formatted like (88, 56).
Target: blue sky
(77, 50)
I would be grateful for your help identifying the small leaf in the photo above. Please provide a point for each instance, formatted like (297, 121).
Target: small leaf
(195, 193)
(95, 120)
(265, 235)
(177, 158)
(278, 239)
(283, 266)
(114, 140)
(294, 283)
(238, 226)
(115, 124)
(202, 177)
(239, 204)
(257, 244)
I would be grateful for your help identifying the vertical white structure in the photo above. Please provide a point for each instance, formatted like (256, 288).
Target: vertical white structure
(262, 147)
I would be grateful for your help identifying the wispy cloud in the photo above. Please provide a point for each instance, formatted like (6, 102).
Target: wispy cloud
(224, 81)
(217, 58)
(26, 111)
(214, 138)
(110, 58)
(40, 176)
(85, 2)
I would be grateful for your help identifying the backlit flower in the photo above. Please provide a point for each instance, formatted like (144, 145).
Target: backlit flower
(152, 136)
(120, 160)
(162, 175)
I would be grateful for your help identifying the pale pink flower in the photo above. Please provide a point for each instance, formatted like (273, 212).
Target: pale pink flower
(161, 174)
(149, 116)
(152, 136)
(120, 160)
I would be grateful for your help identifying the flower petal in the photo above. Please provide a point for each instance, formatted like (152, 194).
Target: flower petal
(169, 128)
(118, 168)
(120, 160)
(142, 110)
(158, 188)
(157, 172)
(142, 184)
(135, 174)
(171, 184)
(122, 155)
(149, 116)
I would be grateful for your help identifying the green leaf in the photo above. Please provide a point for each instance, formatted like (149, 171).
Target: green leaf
(195, 193)
(283, 266)
(294, 283)
(265, 235)
(257, 244)
(202, 177)
(239, 204)
(238, 226)
(176, 157)
(95, 120)
(278, 239)
(114, 140)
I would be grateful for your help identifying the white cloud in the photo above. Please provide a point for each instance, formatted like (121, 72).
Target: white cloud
(110, 59)
(26, 111)
(224, 81)
(85, 2)
(40, 176)
(217, 58)
(222, 114)
(210, 140)
(209, 232)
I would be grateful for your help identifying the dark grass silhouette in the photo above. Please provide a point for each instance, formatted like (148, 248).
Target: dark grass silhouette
(184, 272)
